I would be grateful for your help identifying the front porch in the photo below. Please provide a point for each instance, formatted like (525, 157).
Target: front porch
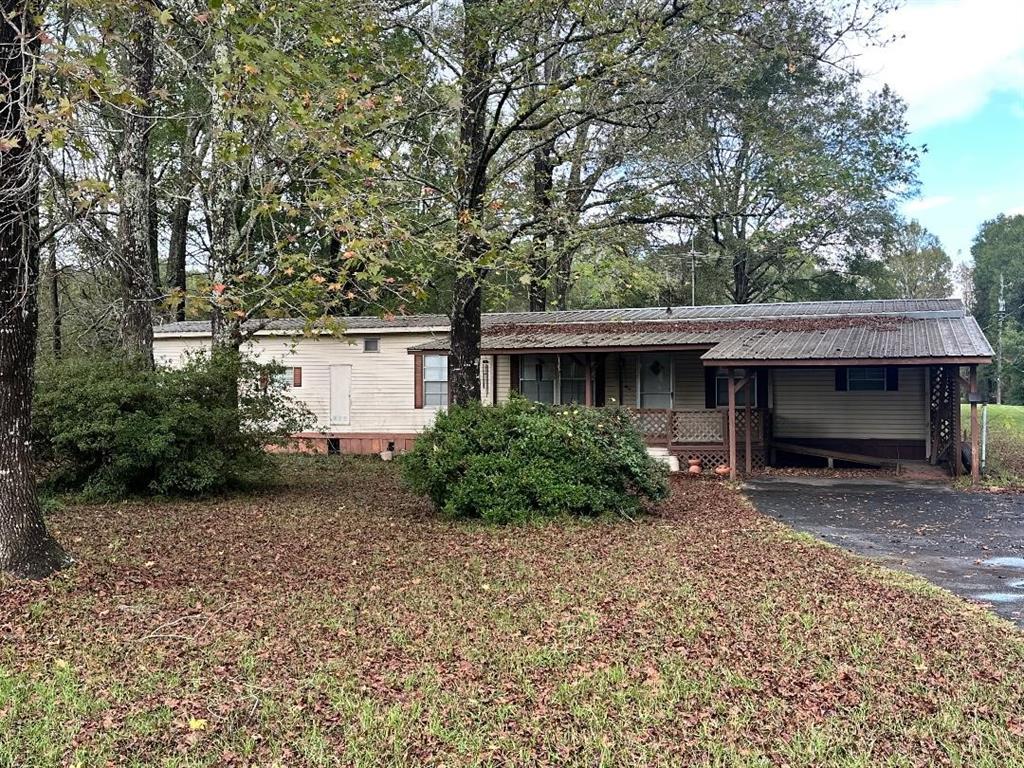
(749, 416)
(706, 434)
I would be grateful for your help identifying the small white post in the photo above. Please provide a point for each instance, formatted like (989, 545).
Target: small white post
(984, 436)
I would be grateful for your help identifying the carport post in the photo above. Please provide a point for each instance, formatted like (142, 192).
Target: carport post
(732, 424)
(749, 385)
(975, 450)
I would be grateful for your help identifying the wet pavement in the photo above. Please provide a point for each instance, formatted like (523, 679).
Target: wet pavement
(969, 543)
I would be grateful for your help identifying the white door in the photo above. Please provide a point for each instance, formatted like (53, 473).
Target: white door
(341, 394)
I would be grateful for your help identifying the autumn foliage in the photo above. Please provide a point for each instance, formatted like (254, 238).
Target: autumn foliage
(522, 460)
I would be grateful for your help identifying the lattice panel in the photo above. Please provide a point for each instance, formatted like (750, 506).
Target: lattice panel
(944, 406)
(756, 424)
(652, 423)
(696, 427)
(713, 457)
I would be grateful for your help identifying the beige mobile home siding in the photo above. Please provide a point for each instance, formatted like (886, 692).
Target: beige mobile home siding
(502, 381)
(808, 405)
(688, 384)
(382, 386)
(172, 352)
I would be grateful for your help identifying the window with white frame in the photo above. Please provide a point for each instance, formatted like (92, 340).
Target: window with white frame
(284, 378)
(870, 379)
(722, 392)
(435, 381)
(371, 344)
(572, 380)
(537, 375)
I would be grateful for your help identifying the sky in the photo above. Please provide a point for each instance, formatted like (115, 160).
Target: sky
(959, 65)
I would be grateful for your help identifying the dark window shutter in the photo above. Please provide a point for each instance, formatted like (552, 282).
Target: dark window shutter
(296, 377)
(513, 373)
(841, 384)
(892, 378)
(264, 381)
(710, 387)
(417, 367)
(762, 387)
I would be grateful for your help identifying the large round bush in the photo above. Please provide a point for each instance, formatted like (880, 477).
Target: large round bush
(521, 460)
(109, 428)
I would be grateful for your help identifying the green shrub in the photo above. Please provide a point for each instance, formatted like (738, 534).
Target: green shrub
(110, 429)
(520, 460)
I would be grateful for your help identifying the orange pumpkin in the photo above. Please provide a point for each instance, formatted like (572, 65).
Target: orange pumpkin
(722, 470)
(694, 469)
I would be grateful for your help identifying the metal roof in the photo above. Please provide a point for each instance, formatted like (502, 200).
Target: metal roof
(886, 307)
(929, 338)
(903, 329)
(294, 324)
(883, 307)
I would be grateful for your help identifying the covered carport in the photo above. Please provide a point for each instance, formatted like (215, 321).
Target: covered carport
(870, 388)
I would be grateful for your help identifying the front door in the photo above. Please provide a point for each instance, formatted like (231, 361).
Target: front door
(341, 395)
(654, 388)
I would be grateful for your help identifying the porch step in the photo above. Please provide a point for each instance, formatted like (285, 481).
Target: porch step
(662, 454)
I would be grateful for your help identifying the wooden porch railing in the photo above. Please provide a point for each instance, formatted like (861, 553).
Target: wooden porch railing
(667, 427)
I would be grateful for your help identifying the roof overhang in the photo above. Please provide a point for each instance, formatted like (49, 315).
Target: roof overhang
(315, 332)
(846, 362)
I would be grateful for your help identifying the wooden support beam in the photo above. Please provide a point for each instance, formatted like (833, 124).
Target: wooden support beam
(588, 381)
(956, 460)
(975, 440)
(746, 432)
(732, 424)
(828, 453)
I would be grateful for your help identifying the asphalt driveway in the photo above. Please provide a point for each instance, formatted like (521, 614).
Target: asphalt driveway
(969, 543)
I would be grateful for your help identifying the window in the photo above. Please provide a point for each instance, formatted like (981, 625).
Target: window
(865, 379)
(435, 381)
(371, 344)
(284, 378)
(572, 380)
(722, 392)
(537, 378)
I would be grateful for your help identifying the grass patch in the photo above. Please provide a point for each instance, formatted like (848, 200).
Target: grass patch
(336, 620)
(1005, 454)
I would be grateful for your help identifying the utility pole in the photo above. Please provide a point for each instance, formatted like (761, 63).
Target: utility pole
(999, 340)
(693, 275)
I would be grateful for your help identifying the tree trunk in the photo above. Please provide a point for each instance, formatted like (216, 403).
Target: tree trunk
(563, 270)
(177, 251)
(543, 183)
(177, 254)
(467, 301)
(134, 238)
(26, 549)
(58, 341)
(463, 361)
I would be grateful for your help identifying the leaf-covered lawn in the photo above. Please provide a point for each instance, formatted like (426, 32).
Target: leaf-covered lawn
(338, 622)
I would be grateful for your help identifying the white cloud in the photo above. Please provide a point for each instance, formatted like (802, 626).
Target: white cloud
(952, 56)
(926, 203)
